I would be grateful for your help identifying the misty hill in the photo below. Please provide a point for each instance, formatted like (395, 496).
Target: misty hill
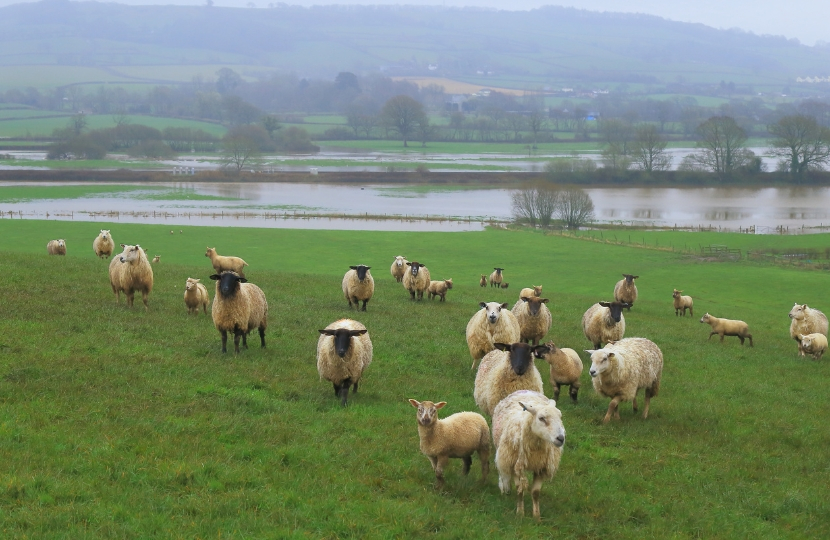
(550, 43)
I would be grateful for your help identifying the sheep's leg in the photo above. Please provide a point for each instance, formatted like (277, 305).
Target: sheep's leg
(484, 456)
(364, 305)
(534, 494)
(750, 340)
(742, 339)
(354, 387)
(144, 297)
(612, 409)
(691, 312)
(336, 389)
(649, 393)
(236, 335)
(224, 340)
(634, 404)
(130, 298)
(262, 336)
(574, 392)
(556, 391)
(521, 487)
(710, 335)
(721, 337)
(412, 295)
(245, 339)
(504, 481)
(440, 463)
(468, 462)
(344, 391)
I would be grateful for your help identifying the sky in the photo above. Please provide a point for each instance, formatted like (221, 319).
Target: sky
(805, 20)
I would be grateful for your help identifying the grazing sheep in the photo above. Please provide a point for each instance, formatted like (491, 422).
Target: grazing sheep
(483, 281)
(195, 295)
(171, 232)
(496, 277)
(222, 263)
(344, 350)
(56, 247)
(727, 327)
(131, 272)
(398, 268)
(681, 303)
(459, 435)
(416, 279)
(534, 319)
(620, 369)
(439, 288)
(506, 370)
(528, 292)
(528, 435)
(238, 307)
(491, 324)
(625, 291)
(103, 244)
(565, 369)
(358, 285)
(156, 259)
(813, 344)
(806, 320)
(505, 285)
(604, 322)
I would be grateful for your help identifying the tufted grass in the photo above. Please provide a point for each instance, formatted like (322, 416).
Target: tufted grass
(121, 423)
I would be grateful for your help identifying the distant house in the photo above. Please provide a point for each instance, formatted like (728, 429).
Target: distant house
(456, 103)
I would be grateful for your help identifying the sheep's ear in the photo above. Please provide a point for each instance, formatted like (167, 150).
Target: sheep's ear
(328, 331)
(355, 333)
(604, 304)
(440, 404)
(482, 305)
(611, 355)
(804, 306)
(214, 277)
(590, 351)
(408, 263)
(544, 300)
(353, 267)
(195, 280)
(503, 346)
(625, 304)
(368, 268)
(635, 277)
(541, 350)
(123, 245)
(412, 402)
(241, 280)
(504, 306)
(528, 408)
(523, 299)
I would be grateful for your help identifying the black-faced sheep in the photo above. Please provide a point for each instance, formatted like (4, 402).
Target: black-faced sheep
(565, 369)
(604, 322)
(625, 290)
(682, 303)
(727, 327)
(504, 371)
(534, 319)
(103, 244)
(813, 344)
(222, 263)
(344, 350)
(358, 286)
(528, 292)
(398, 268)
(238, 307)
(491, 324)
(131, 272)
(416, 279)
(56, 247)
(459, 435)
(806, 320)
(496, 277)
(195, 296)
(439, 288)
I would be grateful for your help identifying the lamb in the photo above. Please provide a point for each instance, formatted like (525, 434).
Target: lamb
(103, 244)
(456, 436)
(604, 322)
(483, 281)
(528, 292)
(344, 350)
(156, 259)
(222, 263)
(490, 324)
(806, 320)
(506, 370)
(439, 288)
(625, 291)
(398, 268)
(195, 295)
(238, 307)
(813, 344)
(528, 435)
(565, 369)
(358, 285)
(534, 319)
(496, 277)
(681, 303)
(727, 327)
(620, 369)
(505, 285)
(131, 272)
(56, 247)
(416, 279)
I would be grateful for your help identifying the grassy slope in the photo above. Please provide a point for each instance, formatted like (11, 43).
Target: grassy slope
(28, 126)
(122, 423)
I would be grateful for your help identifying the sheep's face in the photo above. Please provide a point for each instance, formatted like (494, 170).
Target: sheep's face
(705, 319)
(210, 251)
(493, 310)
(228, 283)
(427, 411)
(498, 271)
(190, 284)
(537, 290)
(615, 308)
(400, 261)
(361, 271)
(676, 294)
(342, 339)
(806, 341)
(629, 279)
(415, 267)
(449, 283)
(131, 253)
(534, 305)
(105, 235)
(547, 423)
(601, 361)
(61, 243)
(521, 355)
(797, 312)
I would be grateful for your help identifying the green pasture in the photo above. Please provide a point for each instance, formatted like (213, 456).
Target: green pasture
(30, 126)
(461, 147)
(118, 422)
(16, 194)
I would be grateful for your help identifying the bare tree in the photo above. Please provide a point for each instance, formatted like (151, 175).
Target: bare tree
(515, 123)
(650, 149)
(77, 123)
(120, 117)
(403, 115)
(536, 122)
(239, 151)
(574, 207)
(801, 143)
(536, 204)
(721, 145)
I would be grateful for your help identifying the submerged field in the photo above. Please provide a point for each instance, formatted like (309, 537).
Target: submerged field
(121, 423)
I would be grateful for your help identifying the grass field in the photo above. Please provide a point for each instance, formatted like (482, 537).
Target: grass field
(29, 125)
(462, 147)
(121, 423)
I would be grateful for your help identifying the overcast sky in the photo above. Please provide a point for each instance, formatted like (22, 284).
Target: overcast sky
(806, 20)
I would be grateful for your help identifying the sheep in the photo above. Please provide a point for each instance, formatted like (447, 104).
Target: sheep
(528, 435)
(358, 285)
(103, 244)
(625, 290)
(496, 277)
(620, 369)
(398, 268)
(565, 369)
(727, 327)
(131, 272)
(813, 344)
(56, 247)
(456, 436)
(344, 350)
(490, 324)
(806, 320)
(156, 259)
(534, 319)
(238, 307)
(416, 279)
(171, 232)
(195, 295)
(528, 292)
(439, 288)
(681, 303)
(222, 263)
(506, 370)
(483, 281)
(604, 322)
(505, 285)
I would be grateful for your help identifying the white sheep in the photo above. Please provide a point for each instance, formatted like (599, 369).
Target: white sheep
(398, 268)
(727, 327)
(491, 324)
(604, 322)
(528, 292)
(195, 296)
(156, 259)
(806, 320)
(222, 263)
(682, 303)
(496, 277)
(131, 272)
(620, 369)
(528, 435)
(103, 245)
(238, 307)
(56, 247)
(504, 371)
(344, 350)
(483, 281)
(459, 435)
(358, 286)
(439, 288)
(534, 318)
(625, 290)
(565, 369)
(416, 279)
(813, 344)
